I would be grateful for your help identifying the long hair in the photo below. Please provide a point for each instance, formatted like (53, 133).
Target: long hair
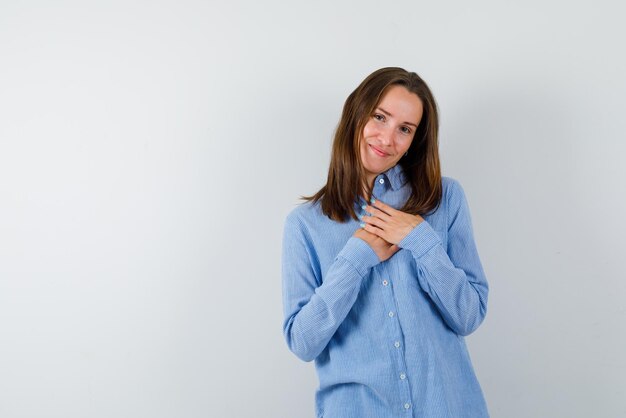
(421, 166)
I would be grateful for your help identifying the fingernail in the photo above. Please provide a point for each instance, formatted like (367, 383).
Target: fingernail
(373, 200)
(360, 217)
(363, 207)
(362, 225)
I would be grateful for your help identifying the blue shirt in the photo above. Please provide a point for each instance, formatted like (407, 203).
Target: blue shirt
(386, 337)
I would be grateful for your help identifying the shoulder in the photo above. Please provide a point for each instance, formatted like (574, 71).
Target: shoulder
(453, 194)
(457, 208)
(305, 211)
(449, 184)
(304, 217)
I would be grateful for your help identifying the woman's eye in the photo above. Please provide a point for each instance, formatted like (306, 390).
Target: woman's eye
(405, 130)
(378, 116)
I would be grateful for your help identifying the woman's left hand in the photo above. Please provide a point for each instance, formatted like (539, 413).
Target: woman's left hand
(388, 223)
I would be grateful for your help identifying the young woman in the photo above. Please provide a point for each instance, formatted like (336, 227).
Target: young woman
(381, 275)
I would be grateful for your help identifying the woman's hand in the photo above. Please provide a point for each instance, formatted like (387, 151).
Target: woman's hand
(388, 223)
(382, 248)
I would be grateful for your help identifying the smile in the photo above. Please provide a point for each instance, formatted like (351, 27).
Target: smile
(378, 152)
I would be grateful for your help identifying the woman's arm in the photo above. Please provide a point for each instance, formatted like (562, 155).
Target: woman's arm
(315, 306)
(454, 279)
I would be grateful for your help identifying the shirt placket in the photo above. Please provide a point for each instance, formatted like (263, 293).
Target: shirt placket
(395, 340)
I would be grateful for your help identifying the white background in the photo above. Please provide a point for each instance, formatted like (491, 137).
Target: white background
(149, 152)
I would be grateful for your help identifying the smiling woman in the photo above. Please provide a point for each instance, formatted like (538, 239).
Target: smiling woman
(381, 276)
(388, 134)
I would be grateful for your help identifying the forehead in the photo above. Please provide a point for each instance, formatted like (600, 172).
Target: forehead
(398, 94)
(402, 103)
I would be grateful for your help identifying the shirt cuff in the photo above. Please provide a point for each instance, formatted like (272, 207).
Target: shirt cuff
(358, 253)
(420, 240)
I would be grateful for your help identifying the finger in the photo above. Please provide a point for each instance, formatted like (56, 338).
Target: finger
(372, 229)
(382, 206)
(372, 220)
(374, 211)
(380, 233)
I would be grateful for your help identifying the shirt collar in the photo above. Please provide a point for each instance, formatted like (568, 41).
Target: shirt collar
(396, 177)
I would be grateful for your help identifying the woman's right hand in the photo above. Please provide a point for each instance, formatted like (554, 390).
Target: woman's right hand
(382, 248)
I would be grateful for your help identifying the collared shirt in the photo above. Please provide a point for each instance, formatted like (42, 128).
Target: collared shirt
(386, 337)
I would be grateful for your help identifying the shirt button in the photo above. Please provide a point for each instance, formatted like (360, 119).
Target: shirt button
(381, 181)
(385, 282)
(407, 405)
(402, 376)
(390, 314)
(397, 344)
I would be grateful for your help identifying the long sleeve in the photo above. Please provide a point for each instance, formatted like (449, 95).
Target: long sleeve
(316, 303)
(454, 279)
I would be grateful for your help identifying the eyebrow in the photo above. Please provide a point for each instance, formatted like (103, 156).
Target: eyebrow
(389, 114)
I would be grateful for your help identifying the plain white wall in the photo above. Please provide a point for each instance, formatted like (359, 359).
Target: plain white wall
(150, 150)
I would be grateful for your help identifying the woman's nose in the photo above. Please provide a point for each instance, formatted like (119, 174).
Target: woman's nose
(385, 136)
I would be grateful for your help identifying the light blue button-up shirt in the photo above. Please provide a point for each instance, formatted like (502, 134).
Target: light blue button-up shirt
(386, 337)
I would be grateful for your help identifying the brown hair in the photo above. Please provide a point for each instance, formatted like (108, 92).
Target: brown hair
(421, 165)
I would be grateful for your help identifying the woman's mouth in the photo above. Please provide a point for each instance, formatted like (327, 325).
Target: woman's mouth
(378, 151)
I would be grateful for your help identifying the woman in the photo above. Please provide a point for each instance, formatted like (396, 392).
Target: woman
(381, 276)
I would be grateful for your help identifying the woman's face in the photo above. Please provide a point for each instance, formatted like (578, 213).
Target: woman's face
(389, 131)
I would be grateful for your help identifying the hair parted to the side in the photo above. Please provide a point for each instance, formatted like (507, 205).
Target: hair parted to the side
(346, 174)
